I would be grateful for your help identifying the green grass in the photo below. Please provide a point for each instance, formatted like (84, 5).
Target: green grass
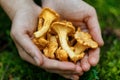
(13, 68)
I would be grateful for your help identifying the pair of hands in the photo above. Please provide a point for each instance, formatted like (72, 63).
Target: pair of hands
(24, 23)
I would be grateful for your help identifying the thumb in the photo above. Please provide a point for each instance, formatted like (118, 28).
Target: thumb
(29, 47)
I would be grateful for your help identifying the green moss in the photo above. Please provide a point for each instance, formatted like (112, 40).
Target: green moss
(110, 61)
(11, 66)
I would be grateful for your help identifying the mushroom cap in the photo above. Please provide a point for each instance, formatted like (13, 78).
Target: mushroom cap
(50, 50)
(63, 26)
(77, 57)
(51, 47)
(46, 17)
(49, 14)
(78, 48)
(40, 42)
(85, 39)
(61, 54)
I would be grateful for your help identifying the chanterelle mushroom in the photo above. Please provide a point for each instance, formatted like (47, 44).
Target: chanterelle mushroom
(63, 29)
(51, 47)
(48, 17)
(61, 54)
(40, 42)
(85, 39)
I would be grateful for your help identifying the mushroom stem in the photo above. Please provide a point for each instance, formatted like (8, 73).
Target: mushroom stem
(44, 29)
(63, 41)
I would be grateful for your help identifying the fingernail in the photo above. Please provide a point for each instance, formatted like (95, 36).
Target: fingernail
(86, 67)
(78, 69)
(37, 60)
(94, 62)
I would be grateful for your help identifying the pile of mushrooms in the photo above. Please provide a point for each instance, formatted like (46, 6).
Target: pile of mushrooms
(59, 39)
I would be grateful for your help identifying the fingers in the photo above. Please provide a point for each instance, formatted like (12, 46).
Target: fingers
(70, 73)
(24, 55)
(94, 28)
(24, 41)
(94, 56)
(61, 65)
(65, 69)
(78, 72)
(85, 64)
(90, 59)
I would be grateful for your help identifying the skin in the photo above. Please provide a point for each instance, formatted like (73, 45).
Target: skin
(83, 15)
(24, 16)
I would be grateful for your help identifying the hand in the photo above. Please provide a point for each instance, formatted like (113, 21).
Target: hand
(24, 23)
(83, 15)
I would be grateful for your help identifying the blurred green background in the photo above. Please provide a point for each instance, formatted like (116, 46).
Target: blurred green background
(13, 68)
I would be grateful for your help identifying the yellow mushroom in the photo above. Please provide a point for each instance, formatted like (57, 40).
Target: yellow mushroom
(63, 29)
(51, 47)
(85, 39)
(41, 43)
(61, 54)
(79, 48)
(48, 16)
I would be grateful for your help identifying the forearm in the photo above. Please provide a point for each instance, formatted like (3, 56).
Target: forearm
(12, 6)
